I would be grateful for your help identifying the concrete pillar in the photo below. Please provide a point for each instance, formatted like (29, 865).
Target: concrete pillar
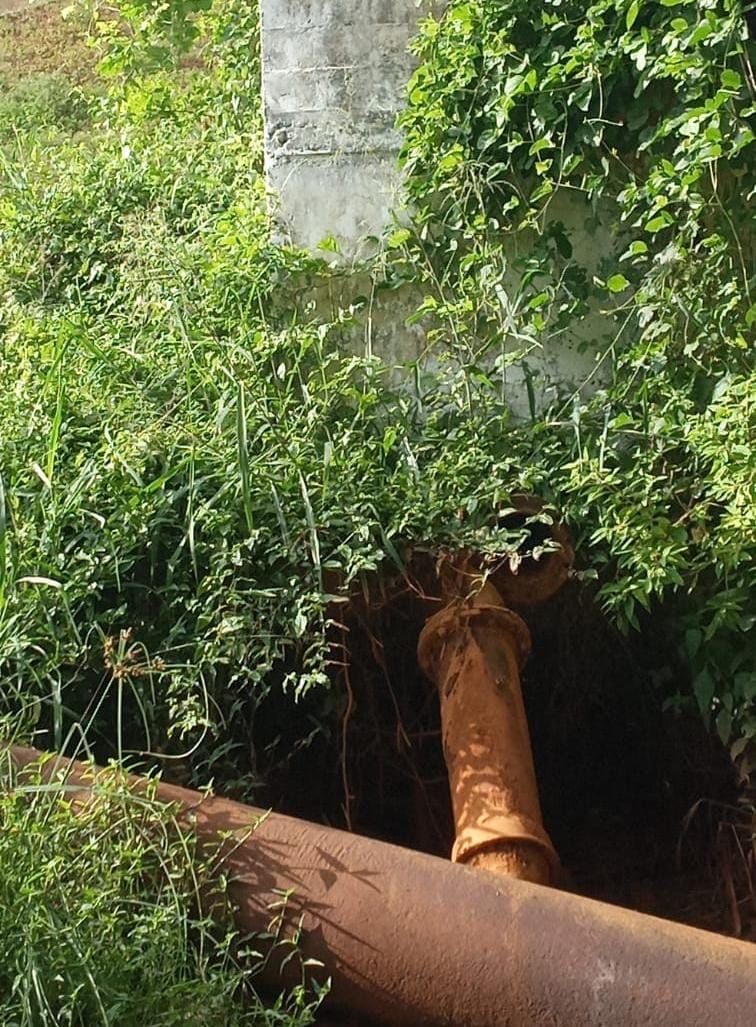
(335, 74)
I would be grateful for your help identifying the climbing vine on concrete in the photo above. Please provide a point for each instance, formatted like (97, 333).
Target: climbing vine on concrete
(530, 124)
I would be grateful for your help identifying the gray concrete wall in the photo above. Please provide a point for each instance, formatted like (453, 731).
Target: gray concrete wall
(334, 78)
(335, 74)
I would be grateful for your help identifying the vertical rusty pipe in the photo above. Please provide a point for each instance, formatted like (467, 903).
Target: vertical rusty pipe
(473, 651)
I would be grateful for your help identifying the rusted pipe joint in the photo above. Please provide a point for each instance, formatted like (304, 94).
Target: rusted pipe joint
(534, 580)
(523, 579)
(474, 653)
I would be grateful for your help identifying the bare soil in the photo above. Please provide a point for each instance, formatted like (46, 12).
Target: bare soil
(35, 39)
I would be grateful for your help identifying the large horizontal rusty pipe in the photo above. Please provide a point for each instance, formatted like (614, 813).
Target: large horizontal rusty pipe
(415, 941)
(473, 650)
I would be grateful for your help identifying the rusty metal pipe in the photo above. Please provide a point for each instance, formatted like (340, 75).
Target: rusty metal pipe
(534, 580)
(473, 651)
(415, 941)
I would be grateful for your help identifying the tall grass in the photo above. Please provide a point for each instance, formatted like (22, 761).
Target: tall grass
(102, 922)
(188, 452)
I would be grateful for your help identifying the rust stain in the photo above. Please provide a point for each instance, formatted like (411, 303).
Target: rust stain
(412, 940)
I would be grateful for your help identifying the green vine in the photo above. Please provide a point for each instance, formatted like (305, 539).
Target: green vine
(530, 128)
(192, 463)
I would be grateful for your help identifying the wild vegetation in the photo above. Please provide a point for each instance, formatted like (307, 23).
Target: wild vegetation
(102, 918)
(641, 114)
(198, 471)
(190, 455)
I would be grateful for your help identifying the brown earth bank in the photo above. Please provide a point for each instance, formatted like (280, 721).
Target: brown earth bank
(35, 39)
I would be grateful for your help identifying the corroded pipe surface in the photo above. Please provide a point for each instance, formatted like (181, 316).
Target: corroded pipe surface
(534, 580)
(473, 651)
(415, 941)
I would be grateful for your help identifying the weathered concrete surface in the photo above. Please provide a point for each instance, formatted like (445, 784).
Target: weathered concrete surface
(334, 78)
(335, 74)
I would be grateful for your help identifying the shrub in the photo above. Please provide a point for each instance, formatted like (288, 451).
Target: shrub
(633, 117)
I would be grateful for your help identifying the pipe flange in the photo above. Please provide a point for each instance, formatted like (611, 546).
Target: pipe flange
(503, 829)
(534, 581)
(455, 618)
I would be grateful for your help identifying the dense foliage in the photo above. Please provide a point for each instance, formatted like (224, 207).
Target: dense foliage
(186, 452)
(100, 934)
(589, 169)
(196, 469)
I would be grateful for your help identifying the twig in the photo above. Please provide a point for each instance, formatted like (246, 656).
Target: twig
(344, 734)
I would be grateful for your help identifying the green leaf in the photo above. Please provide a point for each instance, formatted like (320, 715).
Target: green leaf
(724, 726)
(656, 224)
(635, 249)
(731, 79)
(703, 689)
(693, 639)
(563, 244)
(617, 283)
(450, 161)
(622, 421)
(582, 96)
(398, 238)
(389, 438)
(632, 14)
(329, 245)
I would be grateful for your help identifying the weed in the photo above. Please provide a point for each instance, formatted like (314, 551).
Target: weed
(101, 918)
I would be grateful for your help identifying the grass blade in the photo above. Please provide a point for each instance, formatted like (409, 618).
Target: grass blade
(3, 540)
(243, 454)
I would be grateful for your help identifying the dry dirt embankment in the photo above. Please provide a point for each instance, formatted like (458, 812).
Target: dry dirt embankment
(35, 39)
